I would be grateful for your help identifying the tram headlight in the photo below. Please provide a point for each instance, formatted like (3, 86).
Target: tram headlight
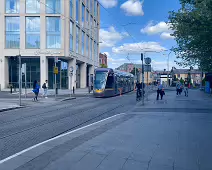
(99, 90)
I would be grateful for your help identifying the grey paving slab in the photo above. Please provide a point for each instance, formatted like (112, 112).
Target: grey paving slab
(153, 166)
(111, 162)
(67, 161)
(89, 162)
(36, 151)
(15, 163)
(134, 165)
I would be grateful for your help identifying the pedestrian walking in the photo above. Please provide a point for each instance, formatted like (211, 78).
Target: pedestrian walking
(35, 90)
(45, 89)
(186, 89)
(178, 88)
(160, 91)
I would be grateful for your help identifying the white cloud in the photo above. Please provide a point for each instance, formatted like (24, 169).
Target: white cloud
(166, 36)
(151, 29)
(107, 53)
(161, 65)
(162, 28)
(135, 48)
(133, 8)
(110, 37)
(109, 3)
(114, 63)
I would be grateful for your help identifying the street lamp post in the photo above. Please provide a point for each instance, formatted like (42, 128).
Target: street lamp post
(142, 59)
(168, 70)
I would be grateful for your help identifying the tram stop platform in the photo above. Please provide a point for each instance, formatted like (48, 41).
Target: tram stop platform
(141, 139)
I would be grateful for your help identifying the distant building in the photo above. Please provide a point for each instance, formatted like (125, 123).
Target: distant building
(195, 75)
(128, 67)
(102, 59)
(162, 77)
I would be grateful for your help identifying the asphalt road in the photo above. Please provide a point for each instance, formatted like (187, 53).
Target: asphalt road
(20, 129)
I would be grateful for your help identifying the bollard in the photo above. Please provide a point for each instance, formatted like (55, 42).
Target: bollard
(14, 88)
(56, 90)
(73, 91)
(11, 89)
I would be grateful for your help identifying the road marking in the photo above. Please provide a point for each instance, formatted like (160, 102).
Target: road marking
(34, 146)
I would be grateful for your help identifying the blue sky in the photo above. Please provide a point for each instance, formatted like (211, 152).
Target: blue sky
(130, 26)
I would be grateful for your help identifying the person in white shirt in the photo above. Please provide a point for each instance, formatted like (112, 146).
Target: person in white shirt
(45, 89)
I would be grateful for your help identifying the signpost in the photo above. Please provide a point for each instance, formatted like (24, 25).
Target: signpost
(55, 75)
(24, 72)
(147, 62)
(20, 77)
(71, 74)
(142, 59)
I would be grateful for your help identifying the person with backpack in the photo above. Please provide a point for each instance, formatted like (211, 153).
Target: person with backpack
(35, 90)
(45, 89)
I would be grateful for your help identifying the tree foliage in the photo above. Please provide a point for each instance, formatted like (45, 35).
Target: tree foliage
(103, 65)
(134, 72)
(192, 25)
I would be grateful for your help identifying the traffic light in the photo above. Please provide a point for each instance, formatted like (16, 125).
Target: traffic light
(142, 56)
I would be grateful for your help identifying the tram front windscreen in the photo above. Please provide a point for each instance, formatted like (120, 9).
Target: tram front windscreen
(100, 79)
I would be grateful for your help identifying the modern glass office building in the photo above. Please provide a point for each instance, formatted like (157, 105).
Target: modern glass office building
(40, 30)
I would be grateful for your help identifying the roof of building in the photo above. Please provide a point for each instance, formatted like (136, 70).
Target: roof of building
(186, 71)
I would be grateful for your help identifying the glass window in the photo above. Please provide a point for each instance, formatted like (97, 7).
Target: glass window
(87, 3)
(71, 8)
(77, 11)
(94, 50)
(12, 32)
(53, 36)
(12, 6)
(83, 15)
(87, 46)
(53, 6)
(32, 32)
(91, 24)
(91, 49)
(87, 18)
(95, 6)
(91, 6)
(83, 42)
(71, 36)
(77, 39)
(32, 6)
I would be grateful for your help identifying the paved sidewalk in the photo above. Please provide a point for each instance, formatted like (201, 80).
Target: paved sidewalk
(11, 101)
(146, 138)
(11, 104)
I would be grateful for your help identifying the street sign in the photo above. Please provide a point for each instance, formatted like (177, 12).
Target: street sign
(147, 68)
(147, 60)
(56, 59)
(55, 70)
(23, 68)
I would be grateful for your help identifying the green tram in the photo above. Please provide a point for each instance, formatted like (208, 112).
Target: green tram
(109, 82)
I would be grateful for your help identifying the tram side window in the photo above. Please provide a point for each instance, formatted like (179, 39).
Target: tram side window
(110, 82)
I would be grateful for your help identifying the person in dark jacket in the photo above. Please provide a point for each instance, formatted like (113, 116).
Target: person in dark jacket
(35, 90)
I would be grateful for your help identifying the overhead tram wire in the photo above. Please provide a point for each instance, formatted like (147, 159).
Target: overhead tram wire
(123, 27)
(133, 38)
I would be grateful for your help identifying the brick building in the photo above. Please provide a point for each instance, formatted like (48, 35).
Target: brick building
(102, 59)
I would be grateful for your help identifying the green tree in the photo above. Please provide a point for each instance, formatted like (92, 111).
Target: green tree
(133, 71)
(192, 25)
(103, 65)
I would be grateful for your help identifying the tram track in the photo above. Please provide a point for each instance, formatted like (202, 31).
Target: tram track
(27, 132)
(64, 106)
